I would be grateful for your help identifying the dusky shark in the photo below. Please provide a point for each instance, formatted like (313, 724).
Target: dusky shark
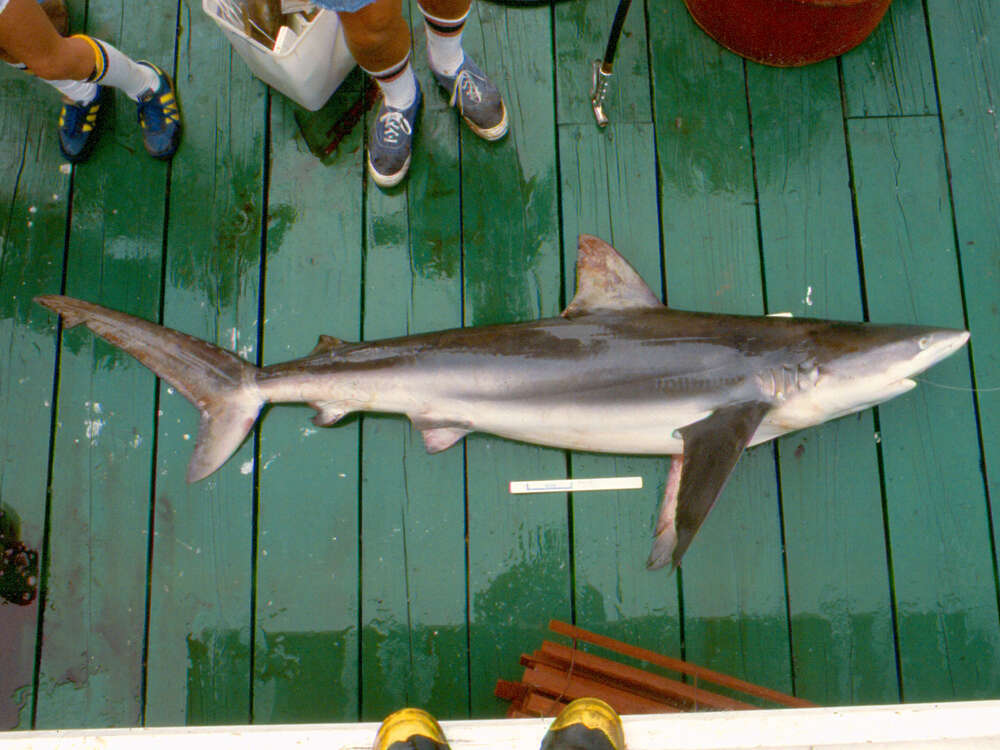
(617, 372)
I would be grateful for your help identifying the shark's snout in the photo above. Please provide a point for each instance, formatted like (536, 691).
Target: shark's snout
(934, 345)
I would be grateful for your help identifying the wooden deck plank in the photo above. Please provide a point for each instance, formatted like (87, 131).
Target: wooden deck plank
(201, 603)
(609, 189)
(838, 582)
(934, 486)
(306, 642)
(733, 583)
(201, 582)
(582, 30)
(965, 45)
(891, 72)
(94, 626)
(414, 603)
(34, 201)
(518, 546)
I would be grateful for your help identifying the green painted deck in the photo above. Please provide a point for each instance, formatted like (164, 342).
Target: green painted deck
(329, 575)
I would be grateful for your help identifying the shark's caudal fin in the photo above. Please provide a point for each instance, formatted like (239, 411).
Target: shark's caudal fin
(711, 450)
(217, 382)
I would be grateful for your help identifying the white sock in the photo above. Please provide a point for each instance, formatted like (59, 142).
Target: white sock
(113, 68)
(80, 92)
(444, 43)
(398, 83)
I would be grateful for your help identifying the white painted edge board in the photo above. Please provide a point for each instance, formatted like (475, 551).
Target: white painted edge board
(974, 724)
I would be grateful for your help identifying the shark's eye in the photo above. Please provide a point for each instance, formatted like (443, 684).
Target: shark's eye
(924, 342)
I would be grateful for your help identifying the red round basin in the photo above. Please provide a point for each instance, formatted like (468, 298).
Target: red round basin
(788, 32)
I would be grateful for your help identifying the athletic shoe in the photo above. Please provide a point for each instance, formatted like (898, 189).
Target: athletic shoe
(477, 99)
(159, 116)
(410, 729)
(585, 724)
(391, 142)
(79, 125)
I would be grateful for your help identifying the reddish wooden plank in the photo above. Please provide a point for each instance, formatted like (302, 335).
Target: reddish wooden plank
(655, 686)
(559, 684)
(702, 673)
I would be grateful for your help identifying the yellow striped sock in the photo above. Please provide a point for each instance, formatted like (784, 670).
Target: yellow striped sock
(100, 57)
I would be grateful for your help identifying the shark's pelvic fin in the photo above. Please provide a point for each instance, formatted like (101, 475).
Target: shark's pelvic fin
(438, 439)
(711, 448)
(440, 436)
(605, 281)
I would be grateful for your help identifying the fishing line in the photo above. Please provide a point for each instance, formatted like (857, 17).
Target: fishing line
(957, 387)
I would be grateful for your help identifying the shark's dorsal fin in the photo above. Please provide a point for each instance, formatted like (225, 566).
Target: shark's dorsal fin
(605, 281)
(711, 448)
(326, 344)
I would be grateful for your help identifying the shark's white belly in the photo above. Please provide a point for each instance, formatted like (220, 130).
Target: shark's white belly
(585, 427)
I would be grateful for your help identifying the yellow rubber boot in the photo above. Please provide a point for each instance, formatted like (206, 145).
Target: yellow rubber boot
(585, 724)
(410, 729)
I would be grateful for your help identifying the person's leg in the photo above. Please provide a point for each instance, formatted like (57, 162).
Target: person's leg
(471, 91)
(379, 40)
(444, 21)
(377, 35)
(78, 67)
(27, 36)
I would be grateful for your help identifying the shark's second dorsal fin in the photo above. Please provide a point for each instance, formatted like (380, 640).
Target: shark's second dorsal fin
(605, 281)
(326, 344)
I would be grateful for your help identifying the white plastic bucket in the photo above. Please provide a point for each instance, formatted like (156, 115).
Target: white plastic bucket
(308, 70)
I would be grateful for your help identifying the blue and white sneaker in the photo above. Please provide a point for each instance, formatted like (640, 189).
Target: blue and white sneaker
(477, 100)
(79, 126)
(159, 116)
(391, 142)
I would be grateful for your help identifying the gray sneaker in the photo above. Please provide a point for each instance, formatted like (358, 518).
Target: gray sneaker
(477, 99)
(391, 142)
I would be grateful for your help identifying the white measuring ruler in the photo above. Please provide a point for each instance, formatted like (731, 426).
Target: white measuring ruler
(575, 485)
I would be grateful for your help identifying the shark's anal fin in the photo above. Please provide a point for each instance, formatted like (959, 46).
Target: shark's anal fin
(711, 450)
(328, 413)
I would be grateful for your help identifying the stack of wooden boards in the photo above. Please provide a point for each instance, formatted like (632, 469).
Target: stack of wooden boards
(556, 674)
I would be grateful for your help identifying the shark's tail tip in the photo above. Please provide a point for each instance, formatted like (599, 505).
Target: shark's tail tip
(72, 311)
(48, 301)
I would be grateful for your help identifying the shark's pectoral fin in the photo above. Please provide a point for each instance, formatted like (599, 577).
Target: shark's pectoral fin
(711, 449)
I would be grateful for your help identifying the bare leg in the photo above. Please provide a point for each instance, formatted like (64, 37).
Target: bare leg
(27, 36)
(377, 35)
(446, 8)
